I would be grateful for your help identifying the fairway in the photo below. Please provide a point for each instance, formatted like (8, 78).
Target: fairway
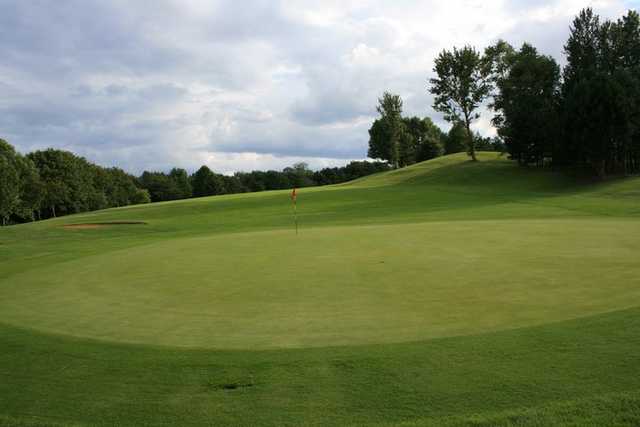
(438, 294)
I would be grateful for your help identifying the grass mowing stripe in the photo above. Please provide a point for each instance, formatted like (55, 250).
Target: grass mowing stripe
(105, 384)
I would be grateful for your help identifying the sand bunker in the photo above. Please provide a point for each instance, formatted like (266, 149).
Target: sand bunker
(91, 225)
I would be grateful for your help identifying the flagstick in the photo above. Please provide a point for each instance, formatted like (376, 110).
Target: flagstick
(294, 200)
(295, 214)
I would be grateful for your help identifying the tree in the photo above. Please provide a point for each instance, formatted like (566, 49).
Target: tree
(608, 109)
(426, 139)
(601, 79)
(67, 181)
(379, 147)
(497, 60)
(626, 33)
(463, 82)
(299, 175)
(20, 185)
(140, 196)
(206, 183)
(275, 180)
(457, 139)
(407, 149)
(490, 143)
(386, 132)
(159, 185)
(181, 179)
(233, 185)
(582, 48)
(31, 190)
(527, 105)
(9, 181)
(118, 187)
(9, 189)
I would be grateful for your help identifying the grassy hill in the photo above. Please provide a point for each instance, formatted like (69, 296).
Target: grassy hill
(445, 293)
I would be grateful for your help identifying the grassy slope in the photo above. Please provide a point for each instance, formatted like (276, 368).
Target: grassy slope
(572, 371)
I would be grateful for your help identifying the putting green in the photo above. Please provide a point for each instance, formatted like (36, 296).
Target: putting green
(336, 285)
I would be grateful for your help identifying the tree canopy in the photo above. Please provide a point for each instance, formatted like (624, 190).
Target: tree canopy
(527, 104)
(386, 133)
(461, 85)
(587, 115)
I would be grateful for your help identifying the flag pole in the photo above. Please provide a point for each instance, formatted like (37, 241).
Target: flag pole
(294, 199)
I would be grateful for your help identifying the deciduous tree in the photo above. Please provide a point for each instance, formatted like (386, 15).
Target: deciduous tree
(386, 133)
(461, 85)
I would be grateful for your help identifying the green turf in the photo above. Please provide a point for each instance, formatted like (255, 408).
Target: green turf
(446, 293)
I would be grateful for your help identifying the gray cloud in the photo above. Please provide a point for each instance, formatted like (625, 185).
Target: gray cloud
(236, 86)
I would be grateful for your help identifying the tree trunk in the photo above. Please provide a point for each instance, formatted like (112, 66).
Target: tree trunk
(53, 210)
(600, 167)
(472, 148)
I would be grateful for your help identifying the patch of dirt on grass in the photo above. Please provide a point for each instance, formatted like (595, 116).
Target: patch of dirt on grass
(231, 386)
(92, 225)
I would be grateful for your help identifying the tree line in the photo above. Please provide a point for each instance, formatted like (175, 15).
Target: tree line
(585, 115)
(403, 141)
(50, 183)
(178, 184)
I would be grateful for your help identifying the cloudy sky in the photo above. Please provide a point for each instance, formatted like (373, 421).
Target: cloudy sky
(238, 85)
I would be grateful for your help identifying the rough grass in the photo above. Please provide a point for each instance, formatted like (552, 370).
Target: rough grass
(447, 293)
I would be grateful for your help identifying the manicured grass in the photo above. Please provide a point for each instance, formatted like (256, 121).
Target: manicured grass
(447, 293)
(336, 285)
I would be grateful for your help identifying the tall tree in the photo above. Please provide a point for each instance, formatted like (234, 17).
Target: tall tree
(9, 181)
(426, 139)
(608, 109)
(600, 91)
(526, 105)
(462, 84)
(9, 189)
(68, 182)
(31, 190)
(583, 48)
(206, 183)
(386, 133)
(497, 60)
(20, 189)
(299, 175)
(181, 179)
(160, 186)
(379, 147)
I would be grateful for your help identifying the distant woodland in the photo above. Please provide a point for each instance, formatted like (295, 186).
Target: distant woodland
(49, 183)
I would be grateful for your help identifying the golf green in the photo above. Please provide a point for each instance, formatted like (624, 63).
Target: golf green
(336, 285)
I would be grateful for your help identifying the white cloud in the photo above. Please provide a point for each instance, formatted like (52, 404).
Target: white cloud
(238, 86)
